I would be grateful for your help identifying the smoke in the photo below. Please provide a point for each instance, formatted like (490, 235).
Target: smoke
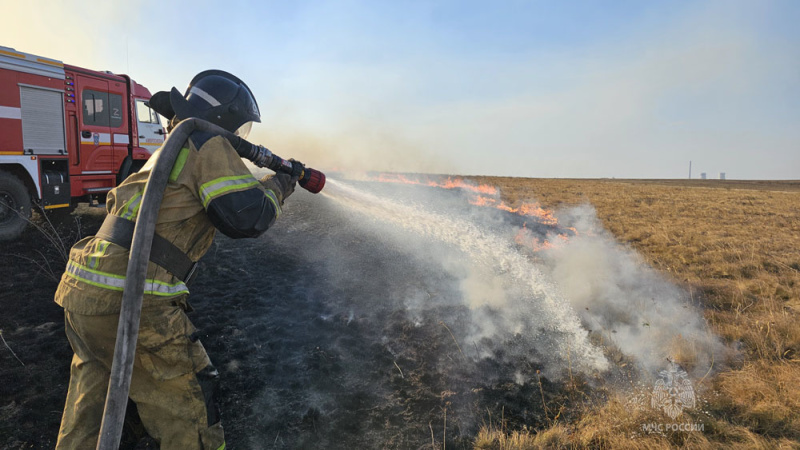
(373, 309)
(569, 307)
(506, 294)
(350, 144)
(634, 308)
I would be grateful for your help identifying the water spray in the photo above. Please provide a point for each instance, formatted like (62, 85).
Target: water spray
(532, 302)
(585, 281)
(131, 308)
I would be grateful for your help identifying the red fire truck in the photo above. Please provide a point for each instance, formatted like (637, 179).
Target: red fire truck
(67, 134)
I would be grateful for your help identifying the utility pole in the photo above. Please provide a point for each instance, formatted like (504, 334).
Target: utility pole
(690, 169)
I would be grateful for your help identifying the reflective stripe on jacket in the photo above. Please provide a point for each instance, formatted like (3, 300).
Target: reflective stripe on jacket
(209, 188)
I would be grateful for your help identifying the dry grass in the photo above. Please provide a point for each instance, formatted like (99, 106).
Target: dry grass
(553, 437)
(734, 246)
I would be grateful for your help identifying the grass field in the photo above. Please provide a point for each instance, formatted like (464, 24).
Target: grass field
(734, 246)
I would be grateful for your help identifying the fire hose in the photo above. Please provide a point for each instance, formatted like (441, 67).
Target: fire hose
(131, 309)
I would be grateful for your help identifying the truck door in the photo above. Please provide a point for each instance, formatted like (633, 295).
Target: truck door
(150, 130)
(118, 122)
(96, 155)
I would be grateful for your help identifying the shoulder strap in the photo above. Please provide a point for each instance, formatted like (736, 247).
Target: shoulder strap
(119, 231)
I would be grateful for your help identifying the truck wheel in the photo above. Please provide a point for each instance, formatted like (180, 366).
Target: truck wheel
(137, 165)
(15, 206)
(124, 170)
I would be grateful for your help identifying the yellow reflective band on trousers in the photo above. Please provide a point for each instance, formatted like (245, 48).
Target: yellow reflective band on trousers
(274, 199)
(214, 188)
(117, 282)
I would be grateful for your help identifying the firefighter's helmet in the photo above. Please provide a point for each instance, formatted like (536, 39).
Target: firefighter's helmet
(215, 96)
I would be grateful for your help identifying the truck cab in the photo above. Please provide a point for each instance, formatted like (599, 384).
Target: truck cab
(67, 134)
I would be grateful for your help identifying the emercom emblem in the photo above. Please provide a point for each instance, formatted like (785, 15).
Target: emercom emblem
(673, 392)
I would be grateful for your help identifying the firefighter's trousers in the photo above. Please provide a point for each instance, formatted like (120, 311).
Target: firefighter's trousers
(172, 383)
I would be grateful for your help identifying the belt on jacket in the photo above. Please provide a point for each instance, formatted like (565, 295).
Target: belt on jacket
(119, 231)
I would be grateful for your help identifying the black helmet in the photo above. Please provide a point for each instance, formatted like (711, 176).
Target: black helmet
(215, 96)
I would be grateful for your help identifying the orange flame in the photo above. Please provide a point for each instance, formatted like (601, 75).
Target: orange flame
(526, 238)
(488, 197)
(526, 209)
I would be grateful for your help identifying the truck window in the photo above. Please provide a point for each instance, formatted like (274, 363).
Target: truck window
(102, 109)
(145, 113)
(95, 108)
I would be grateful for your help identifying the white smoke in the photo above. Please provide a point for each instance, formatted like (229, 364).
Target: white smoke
(632, 306)
(563, 307)
(508, 295)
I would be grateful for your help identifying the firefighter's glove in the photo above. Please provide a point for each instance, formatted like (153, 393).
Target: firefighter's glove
(281, 184)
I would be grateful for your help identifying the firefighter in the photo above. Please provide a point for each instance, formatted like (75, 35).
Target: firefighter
(173, 383)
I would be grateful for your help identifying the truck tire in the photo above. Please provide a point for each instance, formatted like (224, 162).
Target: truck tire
(137, 165)
(124, 170)
(15, 206)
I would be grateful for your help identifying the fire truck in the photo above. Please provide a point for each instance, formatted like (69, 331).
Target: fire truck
(67, 135)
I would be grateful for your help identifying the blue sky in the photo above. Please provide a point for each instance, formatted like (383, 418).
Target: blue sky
(626, 89)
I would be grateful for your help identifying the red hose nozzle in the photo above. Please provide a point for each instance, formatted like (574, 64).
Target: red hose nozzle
(313, 180)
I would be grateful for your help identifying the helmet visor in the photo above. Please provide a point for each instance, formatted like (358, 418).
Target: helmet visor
(244, 130)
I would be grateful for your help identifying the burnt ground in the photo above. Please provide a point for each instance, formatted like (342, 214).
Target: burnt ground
(307, 327)
(32, 325)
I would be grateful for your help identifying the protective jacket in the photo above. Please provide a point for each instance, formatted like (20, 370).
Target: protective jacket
(209, 187)
(173, 382)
